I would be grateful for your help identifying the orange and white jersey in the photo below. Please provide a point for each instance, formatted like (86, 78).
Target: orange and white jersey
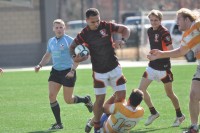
(191, 39)
(122, 118)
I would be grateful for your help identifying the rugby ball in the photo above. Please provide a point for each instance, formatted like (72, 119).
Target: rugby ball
(82, 50)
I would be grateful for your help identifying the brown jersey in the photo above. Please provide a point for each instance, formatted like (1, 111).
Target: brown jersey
(160, 39)
(99, 42)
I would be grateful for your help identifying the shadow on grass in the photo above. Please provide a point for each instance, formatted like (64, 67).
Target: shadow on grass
(185, 128)
(45, 131)
(149, 130)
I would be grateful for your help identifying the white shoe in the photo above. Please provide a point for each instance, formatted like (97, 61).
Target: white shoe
(151, 118)
(178, 121)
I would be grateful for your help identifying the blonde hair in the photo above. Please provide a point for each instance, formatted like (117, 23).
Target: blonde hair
(59, 21)
(156, 13)
(187, 13)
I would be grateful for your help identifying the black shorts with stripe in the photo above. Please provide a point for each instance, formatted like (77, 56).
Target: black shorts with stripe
(59, 77)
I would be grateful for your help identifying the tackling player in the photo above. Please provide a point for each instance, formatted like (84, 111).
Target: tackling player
(123, 116)
(189, 22)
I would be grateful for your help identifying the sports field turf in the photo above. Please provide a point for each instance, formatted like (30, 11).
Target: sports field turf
(24, 104)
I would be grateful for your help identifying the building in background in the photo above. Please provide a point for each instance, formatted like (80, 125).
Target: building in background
(26, 25)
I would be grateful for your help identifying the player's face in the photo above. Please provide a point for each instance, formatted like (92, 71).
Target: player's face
(155, 22)
(59, 29)
(181, 22)
(93, 22)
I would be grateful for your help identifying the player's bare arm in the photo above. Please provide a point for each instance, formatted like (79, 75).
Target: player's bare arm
(108, 103)
(70, 74)
(76, 58)
(45, 59)
(72, 47)
(125, 33)
(170, 47)
(157, 54)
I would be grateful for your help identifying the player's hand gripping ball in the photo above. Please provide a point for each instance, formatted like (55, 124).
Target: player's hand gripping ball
(81, 50)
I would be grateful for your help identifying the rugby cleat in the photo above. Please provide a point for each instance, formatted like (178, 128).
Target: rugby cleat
(151, 118)
(89, 104)
(178, 121)
(56, 126)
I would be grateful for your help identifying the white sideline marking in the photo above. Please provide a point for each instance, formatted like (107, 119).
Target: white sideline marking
(124, 63)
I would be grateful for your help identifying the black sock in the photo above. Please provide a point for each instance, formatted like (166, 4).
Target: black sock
(178, 112)
(78, 99)
(153, 110)
(56, 111)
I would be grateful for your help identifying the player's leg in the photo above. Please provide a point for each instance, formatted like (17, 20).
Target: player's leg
(179, 116)
(100, 83)
(91, 122)
(71, 99)
(144, 83)
(54, 87)
(53, 92)
(98, 111)
(146, 80)
(118, 83)
(194, 103)
(89, 125)
(68, 88)
(194, 106)
(167, 80)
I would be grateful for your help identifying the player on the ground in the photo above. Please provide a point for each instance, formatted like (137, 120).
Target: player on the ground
(123, 116)
(160, 69)
(63, 72)
(189, 22)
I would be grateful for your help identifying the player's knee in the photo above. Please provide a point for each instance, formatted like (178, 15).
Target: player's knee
(52, 97)
(194, 96)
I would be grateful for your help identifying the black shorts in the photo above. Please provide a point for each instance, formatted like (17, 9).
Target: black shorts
(59, 77)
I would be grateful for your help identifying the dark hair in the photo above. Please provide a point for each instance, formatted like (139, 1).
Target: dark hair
(136, 97)
(91, 12)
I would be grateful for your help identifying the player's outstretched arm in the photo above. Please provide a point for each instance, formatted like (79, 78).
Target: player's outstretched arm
(157, 54)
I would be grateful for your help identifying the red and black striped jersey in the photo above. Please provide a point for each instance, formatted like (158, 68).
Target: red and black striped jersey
(100, 44)
(160, 39)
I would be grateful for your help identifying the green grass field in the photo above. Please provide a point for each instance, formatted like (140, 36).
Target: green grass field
(25, 106)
